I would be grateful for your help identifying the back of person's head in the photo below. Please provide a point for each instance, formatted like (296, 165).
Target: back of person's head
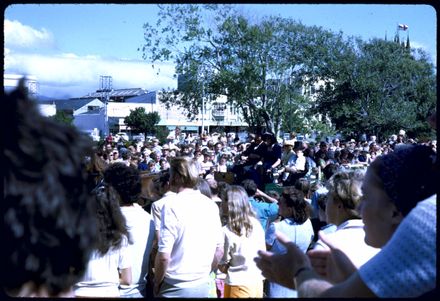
(302, 184)
(203, 187)
(294, 199)
(322, 201)
(329, 170)
(213, 184)
(49, 222)
(408, 175)
(111, 221)
(183, 172)
(250, 186)
(239, 210)
(345, 186)
(126, 180)
(161, 182)
(222, 187)
(270, 137)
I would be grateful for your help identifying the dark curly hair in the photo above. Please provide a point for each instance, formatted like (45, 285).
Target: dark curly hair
(111, 221)
(49, 225)
(294, 198)
(126, 180)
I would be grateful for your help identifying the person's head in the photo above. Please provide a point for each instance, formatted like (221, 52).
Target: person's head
(126, 155)
(236, 206)
(303, 185)
(344, 196)
(115, 155)
(223, 159)
(163, 164)
(250, 186)
(222, 187)
(274, 194)
(269, 138)
(49, 223)
(322, 203)
(329, 170)
(203, 187)
(161, 183)
(126, 180)
(183, 172)
(293, 205)
(218, 147)
(394, 184)
(288, 145)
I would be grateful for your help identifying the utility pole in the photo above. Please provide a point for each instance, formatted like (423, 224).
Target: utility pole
(203, 108)
(106, 86)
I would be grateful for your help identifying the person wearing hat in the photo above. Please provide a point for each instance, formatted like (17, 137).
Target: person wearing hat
(287, 152)
(156, 147)
(207, 162)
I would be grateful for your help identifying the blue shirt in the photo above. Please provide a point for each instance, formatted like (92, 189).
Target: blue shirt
(265, 211)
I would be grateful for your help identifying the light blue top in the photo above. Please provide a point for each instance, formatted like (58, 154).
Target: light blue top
(301, 235)
(266, 212)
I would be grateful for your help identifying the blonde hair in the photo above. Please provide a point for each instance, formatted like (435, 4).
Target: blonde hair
(183, 172)
(345, 186)
(239, 211)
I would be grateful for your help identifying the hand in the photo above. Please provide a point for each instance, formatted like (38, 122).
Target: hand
(281, 268)
(332, 263)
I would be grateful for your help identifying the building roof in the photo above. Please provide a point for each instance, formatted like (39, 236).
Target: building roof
(116, 93)
(73, 103)
(144, 98)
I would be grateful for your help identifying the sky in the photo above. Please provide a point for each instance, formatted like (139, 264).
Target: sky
(68, 46)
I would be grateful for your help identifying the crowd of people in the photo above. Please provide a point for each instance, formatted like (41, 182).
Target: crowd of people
(294, 219)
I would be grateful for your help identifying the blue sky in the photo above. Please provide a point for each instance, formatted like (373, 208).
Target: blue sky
(68, 46)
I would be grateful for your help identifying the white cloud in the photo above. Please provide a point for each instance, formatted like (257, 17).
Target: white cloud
(21, 36)
(71, 75)
(68, 74)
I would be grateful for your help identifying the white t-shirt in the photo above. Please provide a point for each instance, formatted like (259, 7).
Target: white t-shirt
(349, 236)
(141, 228)
(101, 278)
(406, 266)
(240, 251)
(190, 232)
(156, 208)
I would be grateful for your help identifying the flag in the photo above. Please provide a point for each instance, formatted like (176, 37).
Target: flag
(402, 27)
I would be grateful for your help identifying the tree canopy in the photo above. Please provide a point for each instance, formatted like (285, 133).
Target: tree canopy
(260, 65)
(141, 122)
(379, 88)
(266, 67)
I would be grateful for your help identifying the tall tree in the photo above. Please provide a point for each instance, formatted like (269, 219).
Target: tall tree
(257, 64)
(379, 88)
(141, 122)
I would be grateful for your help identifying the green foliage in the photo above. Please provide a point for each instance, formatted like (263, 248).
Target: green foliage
(257, 64)
(375, 87)
(380, 88)
(141, 122)
(62, 117)
(162, 134)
